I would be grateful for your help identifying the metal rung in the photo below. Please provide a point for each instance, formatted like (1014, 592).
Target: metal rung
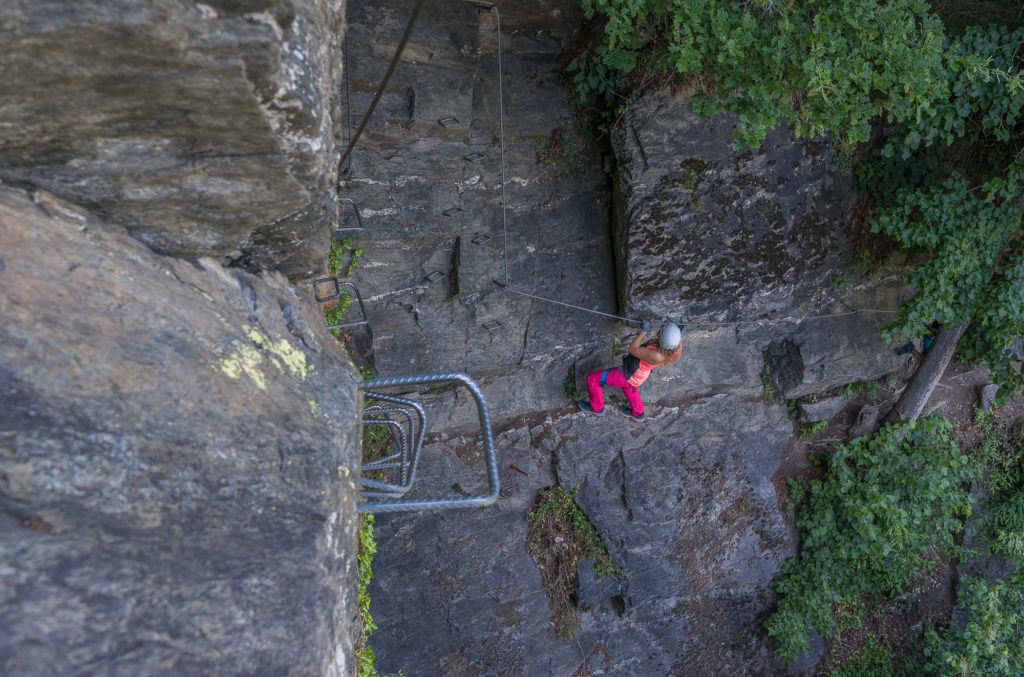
(330, 297)
(451, 212)
(408, 443)
(435, 276)
(448, 121)
(337, 292)
(480, 239)
(359, 218)
(475, 157)
(403, 455)
(492, 325)
(381, 496)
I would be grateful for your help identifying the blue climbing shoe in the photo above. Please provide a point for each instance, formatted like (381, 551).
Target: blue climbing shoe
(626, 411)
(585, 406)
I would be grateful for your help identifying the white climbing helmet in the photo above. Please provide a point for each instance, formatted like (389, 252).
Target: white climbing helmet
(670, 337)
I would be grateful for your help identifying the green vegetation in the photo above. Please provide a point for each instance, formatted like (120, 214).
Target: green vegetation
(559, 535)
(993, 641)
(572, 391)
(946, 187)
(872, 660)
(564, 152)
(887, 504)
(558, 502)
(824, 66)
(367, 549)
(365, 657)
(341, 250)
(769, 390)
(1001, 453)
(812, 429)
(869, 389)
(842, 282)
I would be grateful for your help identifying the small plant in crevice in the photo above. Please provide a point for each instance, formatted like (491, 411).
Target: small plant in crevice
(559, 536)
(564, 153)
(572, 391)
(812, 429)
(340, 250)
(769, 390)
(842, 282)
(869, 389)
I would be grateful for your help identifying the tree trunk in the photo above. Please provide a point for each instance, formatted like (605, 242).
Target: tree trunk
(923, 382)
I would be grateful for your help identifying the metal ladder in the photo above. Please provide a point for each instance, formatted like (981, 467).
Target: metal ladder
(396, 470)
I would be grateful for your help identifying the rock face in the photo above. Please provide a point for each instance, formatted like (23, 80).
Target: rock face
(177, 443)
(713, 232)
(206, 129)
(753, 244)
(685, 506)
(408, 170)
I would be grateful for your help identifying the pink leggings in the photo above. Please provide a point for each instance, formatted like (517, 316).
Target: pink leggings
(614, 378)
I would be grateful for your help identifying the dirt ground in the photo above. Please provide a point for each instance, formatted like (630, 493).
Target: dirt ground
(900, 621)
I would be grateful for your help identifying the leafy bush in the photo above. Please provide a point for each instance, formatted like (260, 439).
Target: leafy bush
(944, 185)
(824, 66)
(965, 234)
(887, 500)
(1001, 453)
(993, 641)
(986, 93)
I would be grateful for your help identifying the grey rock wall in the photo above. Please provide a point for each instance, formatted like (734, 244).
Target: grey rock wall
(408, 169)
(750, 248)
(206, 129)
(686, 506)
(177, 447)
(719, 233)
(685, 503)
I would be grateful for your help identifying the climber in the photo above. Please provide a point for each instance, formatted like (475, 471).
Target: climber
(926, 344)
(636, 367)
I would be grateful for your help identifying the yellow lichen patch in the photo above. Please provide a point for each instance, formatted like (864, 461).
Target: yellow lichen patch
(293, 358)
(244, 360)
(313, 408)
